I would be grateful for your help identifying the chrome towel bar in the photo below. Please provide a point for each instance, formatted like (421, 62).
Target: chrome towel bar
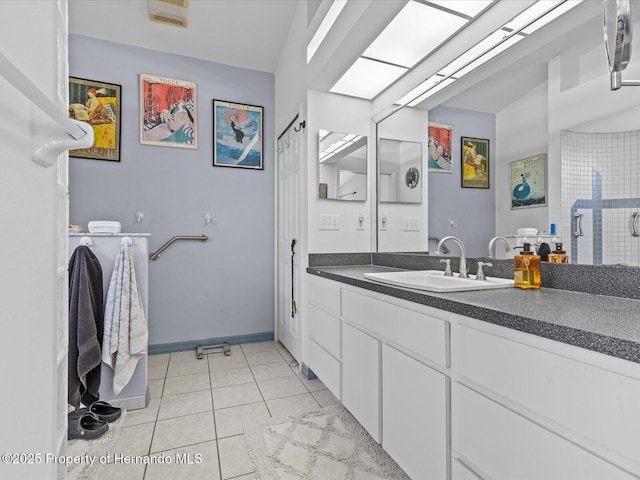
(156, 254)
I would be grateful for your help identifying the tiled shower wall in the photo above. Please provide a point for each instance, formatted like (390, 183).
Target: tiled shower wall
(600, 182)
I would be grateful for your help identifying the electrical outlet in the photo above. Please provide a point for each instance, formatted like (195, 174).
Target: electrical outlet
(329, 222)
(411, 224)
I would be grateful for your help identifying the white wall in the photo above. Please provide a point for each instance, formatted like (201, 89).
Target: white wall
(33, 203)
(521, 132)
(408, 124)
(341, 114)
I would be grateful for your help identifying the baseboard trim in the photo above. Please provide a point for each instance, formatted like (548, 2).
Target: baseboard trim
(192, 344)
(307, 372)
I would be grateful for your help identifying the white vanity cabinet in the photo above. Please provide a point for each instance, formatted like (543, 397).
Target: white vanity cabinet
(392, 358)
(528, 407)
(414, 415)
(454, 398)
(361, 378)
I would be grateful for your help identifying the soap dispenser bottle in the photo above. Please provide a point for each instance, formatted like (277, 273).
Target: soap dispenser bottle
(558, 255)
(526, 268)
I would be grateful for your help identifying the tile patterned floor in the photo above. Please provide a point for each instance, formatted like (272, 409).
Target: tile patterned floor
(198, 409)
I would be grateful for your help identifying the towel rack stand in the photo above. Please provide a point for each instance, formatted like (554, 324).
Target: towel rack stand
(156, 254)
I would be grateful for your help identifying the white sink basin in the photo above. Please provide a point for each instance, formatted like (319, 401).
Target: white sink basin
(435, 281)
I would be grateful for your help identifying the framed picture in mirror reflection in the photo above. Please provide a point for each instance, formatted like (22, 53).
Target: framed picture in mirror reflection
(439, 149)
(528, 182)
(474, 162)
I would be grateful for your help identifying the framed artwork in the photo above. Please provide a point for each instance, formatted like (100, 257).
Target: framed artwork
(168, 116)
(98, 104)
(439, 147)
(528, 182)
(475, 162)
(237, 135)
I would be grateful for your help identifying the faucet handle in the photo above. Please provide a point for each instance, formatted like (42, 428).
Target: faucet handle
(447, 268)
(480, 275)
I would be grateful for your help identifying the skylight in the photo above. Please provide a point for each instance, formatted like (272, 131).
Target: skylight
(325, 26)
(337, 143)
(420, 28)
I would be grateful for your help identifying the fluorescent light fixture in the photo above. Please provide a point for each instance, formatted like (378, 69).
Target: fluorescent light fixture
(442, 84)
(366, 78)
(536, 16)
(550, 16)
(336, 146)
(467, 7)
(414, 32)
(423, 87)
(326, 24)
(488, 55)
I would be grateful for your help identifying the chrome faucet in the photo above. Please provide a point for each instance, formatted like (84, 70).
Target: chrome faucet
(463, 261)
(493, 241)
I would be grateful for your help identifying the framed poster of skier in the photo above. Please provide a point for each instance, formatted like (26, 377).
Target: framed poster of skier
(237, 135)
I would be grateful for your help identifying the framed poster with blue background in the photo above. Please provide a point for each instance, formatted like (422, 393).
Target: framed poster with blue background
(237, 135)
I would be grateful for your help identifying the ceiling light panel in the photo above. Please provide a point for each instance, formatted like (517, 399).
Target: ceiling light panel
(530, 14)
(326, 24)
(489, 55)
(416, 31)
(433, 91)
(549, 17)
(466, 7)
(367, 78)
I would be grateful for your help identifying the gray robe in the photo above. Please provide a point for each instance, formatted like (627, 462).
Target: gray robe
(86, 320)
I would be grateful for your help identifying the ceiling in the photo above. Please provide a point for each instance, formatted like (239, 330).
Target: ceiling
(243, 33)
(251, 34)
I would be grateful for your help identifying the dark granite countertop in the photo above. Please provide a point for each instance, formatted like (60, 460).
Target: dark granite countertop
(605, 324)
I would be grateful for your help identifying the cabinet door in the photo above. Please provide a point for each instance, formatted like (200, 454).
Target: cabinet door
(361, 378)
(414, 422)
(507, 446)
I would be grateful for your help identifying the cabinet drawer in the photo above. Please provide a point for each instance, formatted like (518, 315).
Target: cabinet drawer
(415, 331)
(596, 403)
(325, 367)
(325, 330)
(504, 445)
(324, 293)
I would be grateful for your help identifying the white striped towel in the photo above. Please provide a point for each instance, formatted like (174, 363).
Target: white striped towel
(125, 328)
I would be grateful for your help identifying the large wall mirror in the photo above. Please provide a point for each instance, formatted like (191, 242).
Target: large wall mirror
(400, 171)
(537, 94)
(342, 166)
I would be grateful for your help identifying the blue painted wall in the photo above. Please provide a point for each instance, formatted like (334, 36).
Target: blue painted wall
(218, 289)
(472, 210)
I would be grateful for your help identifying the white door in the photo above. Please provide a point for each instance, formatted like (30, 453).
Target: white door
(290, 267)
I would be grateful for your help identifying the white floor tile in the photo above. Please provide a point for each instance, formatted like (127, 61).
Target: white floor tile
(158, 359)
(186, 404)
(281, 387)
(260, 358)
(155, 387)
(234, 376)
(236, 395)
(134, 440)
(142, 415)
(231, 421)
(187, 383)
(187, 368)
(292, 406)
(184, 356)
(156, 372)
(220, 362)
(271, 370)
(123, 471)
(234, 457)
(195, 462)
(325, 398)
(182, 431)
(258, 347)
